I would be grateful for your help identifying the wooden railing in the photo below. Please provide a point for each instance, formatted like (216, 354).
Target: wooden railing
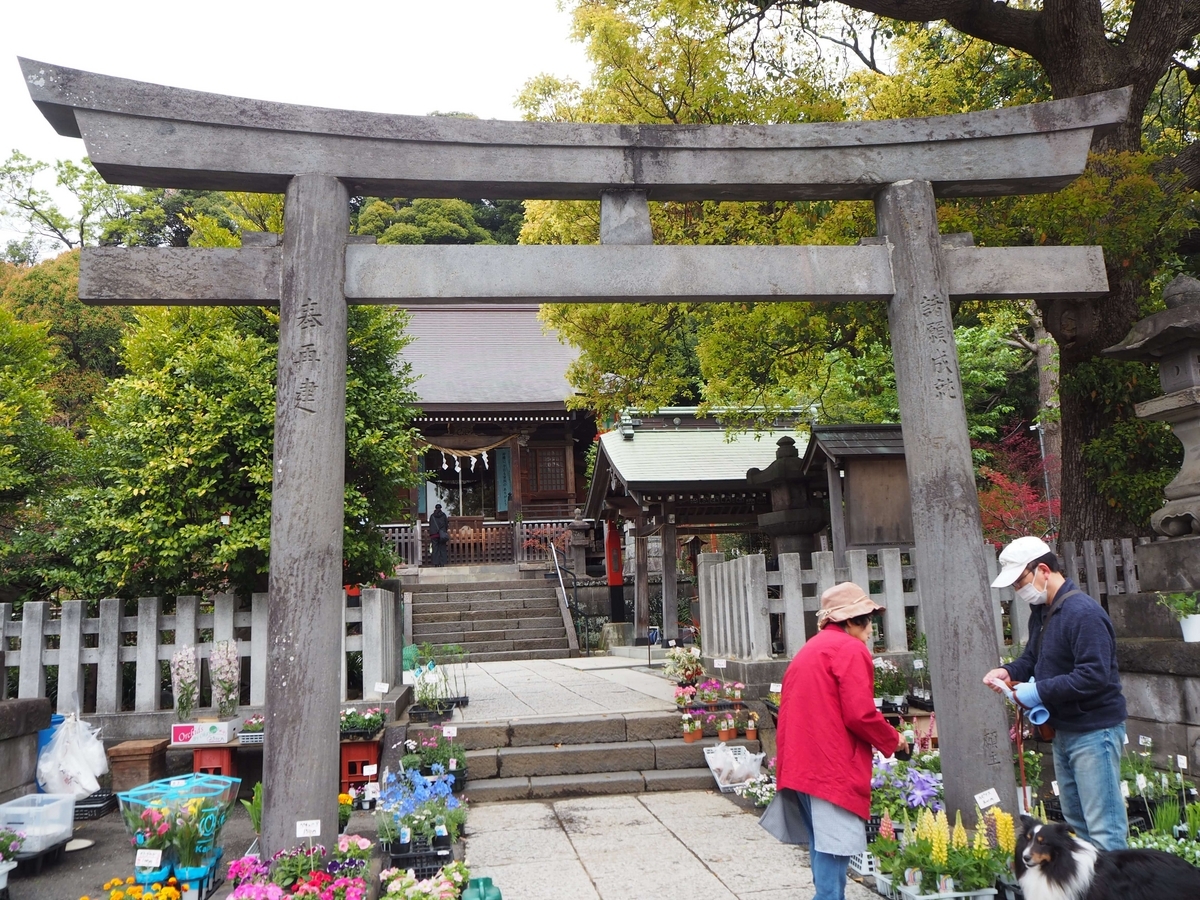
(98, 656)
(475, 542)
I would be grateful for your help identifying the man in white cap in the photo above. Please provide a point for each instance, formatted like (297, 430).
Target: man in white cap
(1070, 667)
(828, 724)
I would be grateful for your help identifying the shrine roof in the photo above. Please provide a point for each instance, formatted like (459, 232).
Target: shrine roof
(486, 357)
(681, 460)
(846, 441)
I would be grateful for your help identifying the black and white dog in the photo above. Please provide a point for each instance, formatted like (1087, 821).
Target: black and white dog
(1053, 864)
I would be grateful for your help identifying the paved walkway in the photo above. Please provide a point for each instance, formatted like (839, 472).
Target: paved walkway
(699, 845)
(560, 687)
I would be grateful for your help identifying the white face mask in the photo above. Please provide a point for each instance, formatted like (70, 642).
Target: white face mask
(1031, 594)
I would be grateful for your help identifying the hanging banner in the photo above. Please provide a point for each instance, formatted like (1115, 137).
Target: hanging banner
(503, 478)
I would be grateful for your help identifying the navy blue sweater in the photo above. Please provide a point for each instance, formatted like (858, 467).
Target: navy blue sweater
(1076, 669)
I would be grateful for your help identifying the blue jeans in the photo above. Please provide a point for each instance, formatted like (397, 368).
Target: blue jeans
(828, 871)
(1091, 760)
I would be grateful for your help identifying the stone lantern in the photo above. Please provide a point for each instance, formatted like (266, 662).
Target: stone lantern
(793, 519)
(1171, 338)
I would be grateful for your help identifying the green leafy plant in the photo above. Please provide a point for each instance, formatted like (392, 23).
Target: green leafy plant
(1181, 603)
(254, 808)
(890, 680)
(1166, 816)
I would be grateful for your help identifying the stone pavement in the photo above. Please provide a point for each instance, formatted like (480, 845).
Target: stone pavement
(561, 687)
(695, 844)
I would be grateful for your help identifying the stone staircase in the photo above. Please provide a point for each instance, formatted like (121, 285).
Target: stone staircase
(498, 620)
(615, 753)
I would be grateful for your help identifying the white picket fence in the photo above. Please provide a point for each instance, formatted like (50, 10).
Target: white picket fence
(63, 636)
(736, 597)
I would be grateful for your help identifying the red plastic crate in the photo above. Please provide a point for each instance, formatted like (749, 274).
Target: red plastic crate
(355, 756)
(215, 761)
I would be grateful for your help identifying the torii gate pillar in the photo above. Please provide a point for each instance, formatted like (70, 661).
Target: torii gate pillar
(945, 505)
(305, 610)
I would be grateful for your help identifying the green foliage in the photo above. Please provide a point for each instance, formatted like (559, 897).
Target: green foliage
(24, 202)
(426, 222)
(1181, 603)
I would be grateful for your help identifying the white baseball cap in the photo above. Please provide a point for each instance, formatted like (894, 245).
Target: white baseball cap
(1017, 556)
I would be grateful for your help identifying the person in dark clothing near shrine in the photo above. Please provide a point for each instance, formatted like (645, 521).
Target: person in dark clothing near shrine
(1070, 667)
(439, 536)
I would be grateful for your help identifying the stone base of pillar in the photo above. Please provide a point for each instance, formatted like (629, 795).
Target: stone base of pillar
(616, 634)
(1170, 565)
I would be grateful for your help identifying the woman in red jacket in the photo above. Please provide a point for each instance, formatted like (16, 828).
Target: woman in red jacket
(828, 724)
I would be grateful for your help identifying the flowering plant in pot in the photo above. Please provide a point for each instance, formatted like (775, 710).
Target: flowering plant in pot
(693, 730)
(225, 669)
(890, 680)
(350, 856)
(733, 690)
(433, 748)
(185, 681)
(254, 724)
(760, 790)
(683, 665)
(290, 867)
(935, 858)
(751, 726)
(685, 695)
(709, 691)
(726, 727)
(447, 884)
(367, 722)
(10, 843)
(896, 784)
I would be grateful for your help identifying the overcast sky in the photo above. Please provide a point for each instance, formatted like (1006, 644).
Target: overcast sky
(398, 56)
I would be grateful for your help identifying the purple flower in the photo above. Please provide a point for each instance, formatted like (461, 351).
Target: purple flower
(920, 788)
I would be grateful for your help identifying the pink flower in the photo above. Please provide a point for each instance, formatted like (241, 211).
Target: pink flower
(164, 828)
(364, 844)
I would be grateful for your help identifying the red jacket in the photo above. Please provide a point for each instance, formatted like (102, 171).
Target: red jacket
(828, 722)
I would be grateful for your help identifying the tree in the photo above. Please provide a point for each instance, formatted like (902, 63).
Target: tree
(24, 202)
(1082, 46)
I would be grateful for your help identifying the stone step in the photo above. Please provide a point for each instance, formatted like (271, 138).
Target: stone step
(459, 636)
(484, 593)
(518, 655)
(534, 731)
(496, 584)
(501, 624)
(541, 787)
(588, 759)
(484, 608)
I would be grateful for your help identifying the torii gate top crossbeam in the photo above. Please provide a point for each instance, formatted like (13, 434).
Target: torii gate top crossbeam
(158, 136)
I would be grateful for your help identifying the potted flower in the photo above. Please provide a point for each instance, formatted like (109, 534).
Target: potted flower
(225, 670)
(685, 696)
(150, 828)
(726, 727)
(1185, 606)
(350, 856)
(733, 691)
(435, 749)
(891, 684)
(252, 729)
(692, 729)
(192, 835)
(940, 860)
(10, 843)
(291, 868)
(360, 726)
(185, 681)
(709, 691)
(683, 665)
(345, 809)
(752, 726)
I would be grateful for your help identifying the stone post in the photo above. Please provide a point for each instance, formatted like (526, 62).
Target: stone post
(972, 721)
(670, 578)
(793, 519)
(300, 753)
(641, 583)
(581, 532)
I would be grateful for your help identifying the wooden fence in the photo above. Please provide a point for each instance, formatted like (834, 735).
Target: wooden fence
(121, 646)
(738, 597)
(476, 542)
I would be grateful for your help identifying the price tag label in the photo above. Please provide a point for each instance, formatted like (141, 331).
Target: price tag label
(308, 828)
(370, 770)
(1125, 789)
(918, 663)
(1125, 738)
(670, 643)
(178, 782)
(1145, 741)
(1054, 787)
(382, 687)
(1141, 782)
(719, 663)
(776, 688)
(987, 798)
(450, 730)
(1181, 761)
(452, 766)
(149, 859)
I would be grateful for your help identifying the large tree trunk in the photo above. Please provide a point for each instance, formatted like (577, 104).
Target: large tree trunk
(1082, 330)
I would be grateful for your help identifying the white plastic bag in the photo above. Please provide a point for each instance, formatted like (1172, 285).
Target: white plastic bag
(722, 764)
(71, 761)
(748, 768)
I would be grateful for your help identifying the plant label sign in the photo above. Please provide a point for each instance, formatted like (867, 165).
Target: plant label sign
(371, 790)
(450, 730)
(776, 688)
(452, 765)
(670, 643)
(148, 859)
(178, 782)
(918, 663)
(1145, 741)
(987, 798)
(1125, 789)
(1054, 787)
(370, 770)
(719, 663)
(381, 687)
(1125, 738)
(1181, 761)
(308, 828)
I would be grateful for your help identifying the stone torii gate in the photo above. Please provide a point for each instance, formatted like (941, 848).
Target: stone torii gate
(155, 136)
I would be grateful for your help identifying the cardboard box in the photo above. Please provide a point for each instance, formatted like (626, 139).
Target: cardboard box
(191, 734)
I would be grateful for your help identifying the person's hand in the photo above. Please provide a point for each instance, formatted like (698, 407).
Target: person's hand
(1027, 694)
(903, 746)
(995, 675)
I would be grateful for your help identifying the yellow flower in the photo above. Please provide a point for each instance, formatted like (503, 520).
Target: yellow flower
(117, 895)
(345, 799)
(938, 853)
(1006, 834)
(959, 839)
(129, 880)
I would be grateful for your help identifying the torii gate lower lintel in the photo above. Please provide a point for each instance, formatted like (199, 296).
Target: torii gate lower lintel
(151, 135)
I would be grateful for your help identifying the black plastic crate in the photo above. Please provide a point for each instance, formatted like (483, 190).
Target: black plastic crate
(358, 734)
(424, 860)
(95, 805)
(417, 713)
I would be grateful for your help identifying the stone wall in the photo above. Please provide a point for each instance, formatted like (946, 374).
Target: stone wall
(1160, 675)
(20, 721)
